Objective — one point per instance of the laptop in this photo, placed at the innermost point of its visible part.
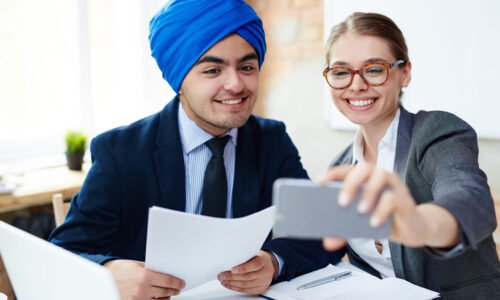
(40, 270)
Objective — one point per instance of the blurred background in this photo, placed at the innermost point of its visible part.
(86, 65)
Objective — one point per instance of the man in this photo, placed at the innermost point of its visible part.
(210, 52)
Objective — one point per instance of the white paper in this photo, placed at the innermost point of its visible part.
(390, 289)
(212, 290)
(324, 291)
(197, 248)
(360, 285)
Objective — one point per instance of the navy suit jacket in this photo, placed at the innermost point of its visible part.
(141, 165)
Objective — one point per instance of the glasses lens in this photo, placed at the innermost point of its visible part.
(339, 77)
(375, 74)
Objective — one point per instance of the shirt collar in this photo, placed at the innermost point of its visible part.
(389, 140)
(192, 136)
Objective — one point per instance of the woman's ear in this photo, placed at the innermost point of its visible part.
(406, 74)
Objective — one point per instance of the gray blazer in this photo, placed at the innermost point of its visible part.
(437, 158)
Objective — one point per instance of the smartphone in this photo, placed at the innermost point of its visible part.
(306, 210)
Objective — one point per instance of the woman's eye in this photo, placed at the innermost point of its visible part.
(341, 73)
(374, 71)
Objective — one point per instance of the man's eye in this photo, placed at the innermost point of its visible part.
(247, 68)
(211, 71)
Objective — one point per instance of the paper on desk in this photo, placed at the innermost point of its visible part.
(197, 248)
(288, 289)
(359, 286)
(390, 289)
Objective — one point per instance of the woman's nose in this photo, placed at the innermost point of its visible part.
(358, 83)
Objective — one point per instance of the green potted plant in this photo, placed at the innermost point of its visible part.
(76, 143)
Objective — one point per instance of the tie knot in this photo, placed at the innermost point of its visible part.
(217, 145)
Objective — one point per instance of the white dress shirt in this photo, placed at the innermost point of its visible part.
(365, 248)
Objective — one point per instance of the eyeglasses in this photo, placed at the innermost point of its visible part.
(373, 74)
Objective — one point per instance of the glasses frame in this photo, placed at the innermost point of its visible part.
(387, 66)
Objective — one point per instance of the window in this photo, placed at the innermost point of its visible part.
(73, 65)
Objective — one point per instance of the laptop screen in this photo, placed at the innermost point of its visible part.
(40, 270)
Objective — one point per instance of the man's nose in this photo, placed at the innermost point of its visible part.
(234, 82)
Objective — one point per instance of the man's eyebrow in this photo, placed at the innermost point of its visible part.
(218, 60)
(248, 57)
(211, 59)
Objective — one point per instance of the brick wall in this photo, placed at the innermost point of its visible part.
(294, 34)
(292, 86)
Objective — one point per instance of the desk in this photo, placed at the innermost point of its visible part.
(38, 187)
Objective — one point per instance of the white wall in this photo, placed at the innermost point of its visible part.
(453, 46)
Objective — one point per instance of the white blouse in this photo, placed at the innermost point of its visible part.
(365, 248)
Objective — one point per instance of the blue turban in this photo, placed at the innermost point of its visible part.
(183, 30)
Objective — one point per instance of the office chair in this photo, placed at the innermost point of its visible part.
(60, 208)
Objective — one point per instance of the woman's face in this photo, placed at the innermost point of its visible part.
(363, 104)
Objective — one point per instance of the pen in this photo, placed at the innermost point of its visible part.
(324, 280)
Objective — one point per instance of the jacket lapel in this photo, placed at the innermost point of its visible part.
(246, 177)
(403, 143)
(169, 159)
(402, 149)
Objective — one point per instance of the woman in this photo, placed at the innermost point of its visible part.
(420, 169)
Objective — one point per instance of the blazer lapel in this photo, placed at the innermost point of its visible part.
(169, 160)
(402, 149)
(246, 176)
(403, 143)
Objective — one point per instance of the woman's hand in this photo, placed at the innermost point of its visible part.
(385, 195)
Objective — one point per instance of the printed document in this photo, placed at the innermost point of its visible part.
(197, 248)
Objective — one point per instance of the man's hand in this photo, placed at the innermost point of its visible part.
(252, 277)
(135, 282)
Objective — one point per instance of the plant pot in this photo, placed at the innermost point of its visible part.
(75, 161)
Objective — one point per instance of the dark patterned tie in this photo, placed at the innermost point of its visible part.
(215, 182)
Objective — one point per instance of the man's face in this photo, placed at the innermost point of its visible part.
(220, 90)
